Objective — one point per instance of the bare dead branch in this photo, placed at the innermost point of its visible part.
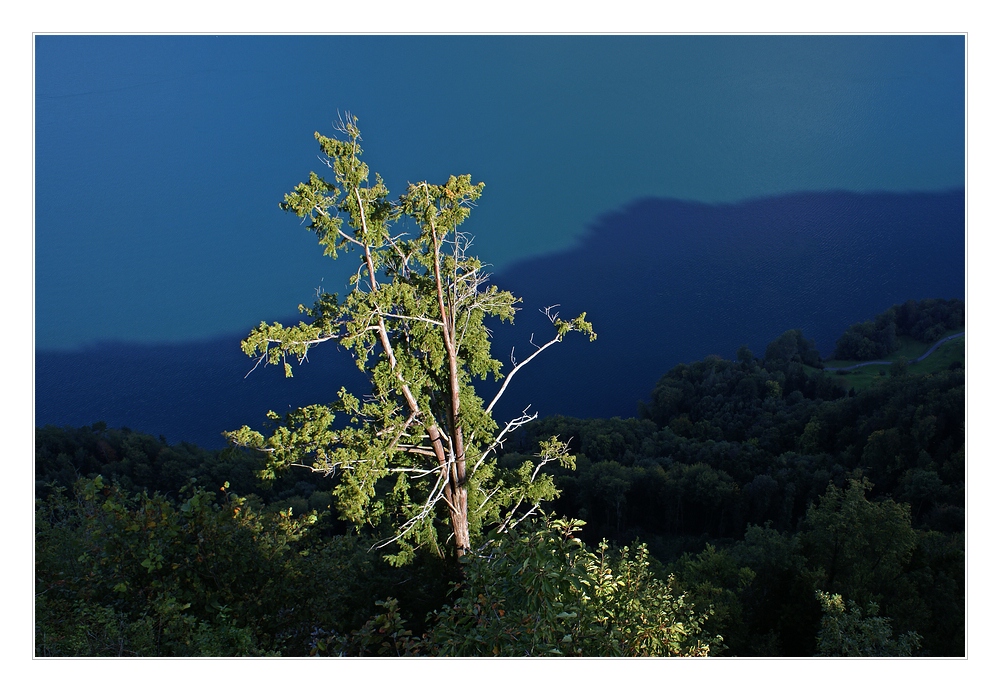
(525, 516)
(416, 318)
(510, 427)
(259, 360)
(416, 472)
(414, 449)
(510, 376)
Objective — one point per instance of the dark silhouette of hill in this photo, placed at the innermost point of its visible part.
(663, 281)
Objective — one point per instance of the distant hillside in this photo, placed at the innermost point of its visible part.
(663, 281)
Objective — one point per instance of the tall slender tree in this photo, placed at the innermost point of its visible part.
(416, 457)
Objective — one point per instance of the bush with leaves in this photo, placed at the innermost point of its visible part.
(538, 591)
(847, 630)
(142, 575)
(861, 548)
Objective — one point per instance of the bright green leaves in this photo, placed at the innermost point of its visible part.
(554, 449)
(643, 615)
(311, 201)
(440, 209)
(366, 206)
(849, 630)
(414, 460)
(540, 591)
(273, 343)
(577, 324)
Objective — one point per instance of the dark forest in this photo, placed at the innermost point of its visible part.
(775, 504)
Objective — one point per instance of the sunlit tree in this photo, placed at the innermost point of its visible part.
(415, 455)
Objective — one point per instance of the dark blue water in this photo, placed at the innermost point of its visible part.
(663, 281)
(186, 392)
(667, 282)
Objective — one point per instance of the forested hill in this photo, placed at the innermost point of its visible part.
(663, 282)
(757, 482)
(761, 479)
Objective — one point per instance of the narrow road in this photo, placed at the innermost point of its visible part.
(889, 362)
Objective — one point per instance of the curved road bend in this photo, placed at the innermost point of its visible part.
(915, 360)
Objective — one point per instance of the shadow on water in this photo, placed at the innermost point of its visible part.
(663, 281)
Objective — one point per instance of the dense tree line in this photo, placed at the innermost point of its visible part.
(752, 508)
(760, 481)
(759, 445)
(137, 461)
(926, 321)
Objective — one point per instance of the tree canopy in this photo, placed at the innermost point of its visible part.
(415, 456)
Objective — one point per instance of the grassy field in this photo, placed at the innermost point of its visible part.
(862, 378)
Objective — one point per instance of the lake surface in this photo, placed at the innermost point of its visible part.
(663, 281)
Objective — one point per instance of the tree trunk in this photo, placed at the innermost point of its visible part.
(459, 513)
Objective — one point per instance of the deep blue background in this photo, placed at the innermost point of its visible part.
(663, 281)
(688, 280)
(160, 160)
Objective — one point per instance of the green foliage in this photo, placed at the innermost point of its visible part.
(142, 575)
(869, 340)
(847, 630)
(538, 591)
(750, 479)
(121, 574)
(761, 591)
(861, 547)
(713, 578)
(724, 446)
(791, 347)
(937, 571)
(414, 458)
(385, 634)
(926, 321)
(137, 462)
